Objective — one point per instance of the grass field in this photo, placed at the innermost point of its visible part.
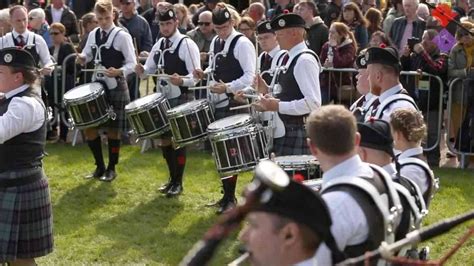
(128, 222)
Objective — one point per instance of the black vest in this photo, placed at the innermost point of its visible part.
(290, 91)
(31, 50)
(110, 57)
(228, 67)
(264, 66)
(404, 226)
(172, 62)
(374, 217)
(26, 150)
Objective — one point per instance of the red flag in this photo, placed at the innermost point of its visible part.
(443, 14)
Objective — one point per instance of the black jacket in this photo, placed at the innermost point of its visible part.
(68, 19)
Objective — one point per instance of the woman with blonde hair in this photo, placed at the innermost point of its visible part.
(338, 52)
(184, 21)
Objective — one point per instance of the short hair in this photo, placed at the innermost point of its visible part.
(259, 7)
(16, 7)
(5, 14)
(29, 75)
(249, 21)
(311, 5)
(103, 6)
(410, 123)
(332, 129)
(87, 18)
(416, 2)
(37, 13)
(58, 26)
(310, 239)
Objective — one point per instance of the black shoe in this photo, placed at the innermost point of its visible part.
(99, 172)
(174, 190)
(109, 176)
(165, 187)
(226, 205)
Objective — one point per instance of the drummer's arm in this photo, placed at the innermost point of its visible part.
(126, 47)
(245, 54)
(24, 114)
(191, 57)
(150, 65)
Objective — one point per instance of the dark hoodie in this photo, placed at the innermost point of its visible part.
(317, 35)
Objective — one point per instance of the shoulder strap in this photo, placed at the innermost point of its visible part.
(433, 182)
(392, 99)
(113, 34)
(92, 35)
(305, 51)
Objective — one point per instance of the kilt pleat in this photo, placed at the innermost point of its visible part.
(293, 143)
(118, 98)
(25, 221)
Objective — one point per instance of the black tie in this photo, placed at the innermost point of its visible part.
(375, 105)
(267, 60)
(361, 102)
(21, 41)
(167, 43)
(285, 59)
(222, 44)
(103, 37)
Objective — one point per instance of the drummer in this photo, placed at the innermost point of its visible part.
(180, 65)
(118, 60)
(299, 92)
(232, 73)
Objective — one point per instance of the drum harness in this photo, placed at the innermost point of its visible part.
(377, 198)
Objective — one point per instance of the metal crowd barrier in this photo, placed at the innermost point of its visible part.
(462, 105)
(347, 94)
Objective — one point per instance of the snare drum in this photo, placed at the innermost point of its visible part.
(87, 105)
(189, 121)
(305, 165)
(147, 115)
(237, 143)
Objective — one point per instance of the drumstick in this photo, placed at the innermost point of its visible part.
(136, 50)
(251, 96)
(166, 76)
(93, 70)
(198, 88)
(240, 107)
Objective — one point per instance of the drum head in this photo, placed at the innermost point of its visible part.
(144, 101)
(188, 107)
(83, 91)
(230, 122)
(295, 160)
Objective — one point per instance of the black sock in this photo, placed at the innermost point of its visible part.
(180, 164)
(168, 154)
(96, 147)
(229, 185)
(114, 151)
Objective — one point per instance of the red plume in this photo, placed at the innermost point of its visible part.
(383, 45)
(443, 14)
(286, 11)
(298, 178)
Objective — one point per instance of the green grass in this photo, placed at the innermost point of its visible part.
(129, 222)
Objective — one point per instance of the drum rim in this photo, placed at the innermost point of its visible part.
(154, 133)
(160, 99)
(232, 126)
(94, 95)
(234, 133)
(97, 122)
(203, 105)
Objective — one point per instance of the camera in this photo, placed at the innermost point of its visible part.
(412, 41)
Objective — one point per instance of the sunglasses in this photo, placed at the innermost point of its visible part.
(55, 33)
(204, 23)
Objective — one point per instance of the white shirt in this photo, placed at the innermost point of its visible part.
(349, 223)
(413, 172)
(40, 45)
(244, 52)
(24, 114)
(306, 73)
(395, 105)
(123, 43)
(56, 14)
(188, 52)
(390, 169)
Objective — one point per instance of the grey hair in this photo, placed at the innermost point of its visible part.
(37, 13)
(5, 14)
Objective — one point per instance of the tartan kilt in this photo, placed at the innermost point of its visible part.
(182, 99)
(25, 221)
(118, 98)
(293, 143)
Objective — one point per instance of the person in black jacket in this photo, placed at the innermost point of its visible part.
(66, 17)
(317, 32)
(427, 57)
(60, 49)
